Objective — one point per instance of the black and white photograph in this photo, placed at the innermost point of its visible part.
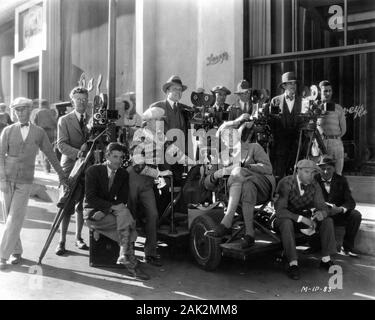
(187, 155)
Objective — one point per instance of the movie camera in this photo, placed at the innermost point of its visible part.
(200, 115)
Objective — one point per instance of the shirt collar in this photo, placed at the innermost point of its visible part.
(109, 170)
(78, 115)
(171, 102)
(299, 183)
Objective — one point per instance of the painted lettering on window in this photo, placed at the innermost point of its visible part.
(212, 59)
(358, 111)
(335, 22)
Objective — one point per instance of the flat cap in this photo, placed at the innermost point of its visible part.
(21, 102)
(307, 164)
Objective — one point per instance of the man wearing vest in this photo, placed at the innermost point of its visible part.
(285, 126)
(297, 195)
(19, 145)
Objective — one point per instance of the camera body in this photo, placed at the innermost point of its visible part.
(100, 114)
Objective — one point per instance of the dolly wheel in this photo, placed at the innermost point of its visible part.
(206, 251)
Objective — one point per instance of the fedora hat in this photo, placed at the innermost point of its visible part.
(21, 102)
(173, 80)
(287, 77)
(326, 161)
(221, 88)
(242, 87)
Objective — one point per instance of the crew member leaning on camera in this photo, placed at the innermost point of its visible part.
(243, 103)
(285, 125)
(333, 126)
(72, 133)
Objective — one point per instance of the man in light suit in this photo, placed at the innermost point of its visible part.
(243, 104)
(72, 133)
(19, 145)
(285, 125)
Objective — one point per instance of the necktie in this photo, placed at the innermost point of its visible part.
(82, 122)
(291, 98)
(111, 179)
(24, 124)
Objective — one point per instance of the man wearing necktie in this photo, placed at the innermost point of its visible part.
(285, 126)
(337, 193)
(19, 145)
(297, 195)
(106, 211)
(72, 133)
(243, 103)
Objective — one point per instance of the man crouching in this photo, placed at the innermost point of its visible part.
(105, 210)
(297, 196)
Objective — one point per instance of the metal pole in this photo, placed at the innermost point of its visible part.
(111, 84)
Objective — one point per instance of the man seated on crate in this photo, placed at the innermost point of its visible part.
(250, 181)
(105, 206)
(300, 205)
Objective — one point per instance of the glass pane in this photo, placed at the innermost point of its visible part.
(361, 21)
(320, 24)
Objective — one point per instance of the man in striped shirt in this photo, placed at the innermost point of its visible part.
(333, 126)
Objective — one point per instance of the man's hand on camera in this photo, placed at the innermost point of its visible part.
(98, 215)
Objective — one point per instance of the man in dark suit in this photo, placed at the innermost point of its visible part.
(72, 133)
(285, 125)
(337, 193)
(106, 197)
(297, 196)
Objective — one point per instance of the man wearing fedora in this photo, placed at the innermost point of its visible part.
(19, 144)
(243, 105)
(221, 93)
(285, 125)
(333, 125)
(337, 193)
(298, 194)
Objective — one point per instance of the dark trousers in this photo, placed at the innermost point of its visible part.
(351, 220)
(287, 229)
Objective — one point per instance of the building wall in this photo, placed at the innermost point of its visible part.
(6, 54)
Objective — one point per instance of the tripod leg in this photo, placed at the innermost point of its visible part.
(319, 139)
(298, 150)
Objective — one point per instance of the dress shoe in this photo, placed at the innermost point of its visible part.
(60, 250)
(218, 232)
(293, 272)
(3, 264)
(154, 260)
(247, 241)
(80, 244)
(326, 265)
(349, 252)
(15, 259)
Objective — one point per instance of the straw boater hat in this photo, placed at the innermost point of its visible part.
(287, 77)
(173, 80)
(243, 87)
(21, 102)
(221, 88)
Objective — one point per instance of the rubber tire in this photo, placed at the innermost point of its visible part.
(211, 260)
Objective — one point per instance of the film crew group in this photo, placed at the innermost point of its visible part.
(105, 206)
(72, 133)
(19, 145)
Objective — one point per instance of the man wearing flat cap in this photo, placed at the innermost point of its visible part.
(19, 144)
(337, 193)
(285, 125)
(298, 194)
(45, 118)
(221, 93)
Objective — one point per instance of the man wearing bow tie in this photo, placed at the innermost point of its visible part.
(106, 211)
(19, 144)
(337, 193)
(285, 125)
(297, 195)
(72, 133)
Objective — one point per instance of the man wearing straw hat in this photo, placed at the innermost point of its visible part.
(243, 104)
(19, 144)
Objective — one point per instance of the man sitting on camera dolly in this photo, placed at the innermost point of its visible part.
(250, 181)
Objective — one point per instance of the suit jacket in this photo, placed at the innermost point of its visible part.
(17, 157)
(288, 186)
(70, 138)
(340, 193)
(286, 121)
(97, 195)
(173, 118)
